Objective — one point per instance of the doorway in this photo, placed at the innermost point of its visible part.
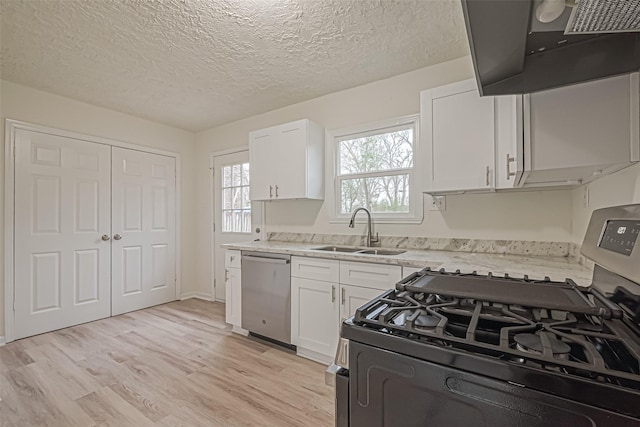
(235, 217)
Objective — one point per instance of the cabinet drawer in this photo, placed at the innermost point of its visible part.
(232, 259)
(378, 276)
(325, 270)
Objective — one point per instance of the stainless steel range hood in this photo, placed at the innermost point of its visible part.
(514, 52)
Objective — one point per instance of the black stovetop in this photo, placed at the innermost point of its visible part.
(591, 341)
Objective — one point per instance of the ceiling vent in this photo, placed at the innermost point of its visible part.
(604, 16)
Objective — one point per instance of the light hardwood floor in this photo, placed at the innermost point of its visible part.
(176, 364)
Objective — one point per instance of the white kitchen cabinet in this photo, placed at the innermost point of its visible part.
(369, 275)
(458, 133)
(354, 297)
(324, 292)
(315, 316)
(556, 138)
(232, 281)
(287, 162)
(577, 133)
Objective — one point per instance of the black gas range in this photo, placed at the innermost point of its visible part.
(455, 349)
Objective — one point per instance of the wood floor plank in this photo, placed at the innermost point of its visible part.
(176, 364)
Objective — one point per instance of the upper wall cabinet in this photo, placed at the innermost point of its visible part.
(287, 162)
(577, 133)
(556, 138)
(460, 132)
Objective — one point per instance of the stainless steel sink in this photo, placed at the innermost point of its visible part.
(388, 252)
(337, 249)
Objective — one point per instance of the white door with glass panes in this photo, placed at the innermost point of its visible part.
(236, 217)
(144, 232)
(62, 230)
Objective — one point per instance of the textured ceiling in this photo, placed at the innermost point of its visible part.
(196, 64)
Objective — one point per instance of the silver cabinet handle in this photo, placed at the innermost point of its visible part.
(342, 296)
(271, 191)
(232, 257)
(117, 237)
(276, 191)
(226, 275)
(509, 160)
(105, 237)
(333, 293)
(487, 176)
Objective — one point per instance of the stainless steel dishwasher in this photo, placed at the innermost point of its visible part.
(266, 295)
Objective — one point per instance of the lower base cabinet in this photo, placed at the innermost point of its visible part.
(318, 307)
(315, 312)
(233, 290)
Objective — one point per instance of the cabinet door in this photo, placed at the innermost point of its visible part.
(263, 153)
(233, 277)
(459, 136)
(510, 158)
(314, 315)
(589, 125)
(354, 297)
(291, 164)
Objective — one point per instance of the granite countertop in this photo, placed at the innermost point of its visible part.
(537, 267)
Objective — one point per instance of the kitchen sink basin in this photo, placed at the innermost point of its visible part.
(337, 249)
(388, 252)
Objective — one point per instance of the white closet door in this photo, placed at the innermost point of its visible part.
(62, 205)
(143, 230)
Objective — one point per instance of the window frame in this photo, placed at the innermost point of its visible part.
(333, 179)
(231, 187)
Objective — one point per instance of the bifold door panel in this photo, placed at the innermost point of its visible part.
(63, 208)
(143, 219)
(94, 231)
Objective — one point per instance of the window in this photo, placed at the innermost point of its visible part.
(375, 168)
(236, 205)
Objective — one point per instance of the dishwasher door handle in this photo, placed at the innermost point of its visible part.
(265, 260)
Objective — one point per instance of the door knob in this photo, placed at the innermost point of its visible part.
(117, 237)
(105, 237)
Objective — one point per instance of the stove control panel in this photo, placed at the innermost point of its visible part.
(611, 240)
(620, 236)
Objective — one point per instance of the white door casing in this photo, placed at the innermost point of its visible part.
(62, 201)
(143, 230)
(220, 235)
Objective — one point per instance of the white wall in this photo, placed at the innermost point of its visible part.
(523, 216)
(30, 105)
(620, 188)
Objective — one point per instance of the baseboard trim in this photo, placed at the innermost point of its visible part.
(239, 330)
(200, 295)
(315, 356)
(2, 341)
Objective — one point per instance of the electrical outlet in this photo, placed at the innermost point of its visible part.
(438, 203)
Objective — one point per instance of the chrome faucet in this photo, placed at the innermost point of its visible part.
(370, 238)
